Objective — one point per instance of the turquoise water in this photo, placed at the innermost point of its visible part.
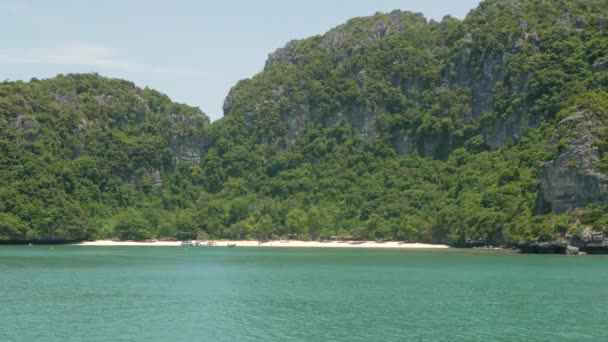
(265, 294)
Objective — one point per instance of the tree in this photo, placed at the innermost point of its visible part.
(131, 225)
(261, 227)
(11, 227)
(314, 222)
(213, 172)
(186, 225)
(296, 221)
(215, 217)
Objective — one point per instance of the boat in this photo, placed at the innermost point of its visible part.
(189, 243)
(231, 245)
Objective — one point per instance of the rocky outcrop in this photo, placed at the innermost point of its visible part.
(63, 99)
(154, 177)
(571, 250)
(503, 130)
(295, 122)
(589, 242)
(600, 64)
(571, 180)
(188, 149)
(187, 140)
(362, 117)
(344, 41)
(404, 143)
(24, 123)
(285, 55)
(552, 247)
(506, 128)
(479, 74)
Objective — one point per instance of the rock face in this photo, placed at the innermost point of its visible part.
(543, 247)
(188, 149)
(344, 41)
(155, 177)
(571, 179)
(467, 71)
(590, 242)
(571, 250)
(504, 129)
(26, 125)
(341, 43)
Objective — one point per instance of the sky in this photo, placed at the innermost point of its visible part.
(191, 50)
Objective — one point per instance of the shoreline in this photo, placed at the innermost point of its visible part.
(276, 243)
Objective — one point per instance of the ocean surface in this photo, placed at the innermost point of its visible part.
(72, 293)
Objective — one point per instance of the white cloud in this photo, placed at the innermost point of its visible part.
(87, 55)
(80, 54)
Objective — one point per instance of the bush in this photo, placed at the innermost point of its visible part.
(132, 225)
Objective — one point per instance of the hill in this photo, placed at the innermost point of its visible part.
(489, 130)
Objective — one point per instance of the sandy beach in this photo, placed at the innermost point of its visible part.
(282, 243)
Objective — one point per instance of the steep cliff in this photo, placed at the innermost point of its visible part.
(500, 71)
(572, 178)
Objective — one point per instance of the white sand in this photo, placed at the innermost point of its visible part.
(282, 243)
(129, 243)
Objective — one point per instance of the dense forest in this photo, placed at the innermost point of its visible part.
(490, 130)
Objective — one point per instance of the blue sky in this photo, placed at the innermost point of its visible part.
(193, 51)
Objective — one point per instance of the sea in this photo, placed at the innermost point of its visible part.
(81, 293)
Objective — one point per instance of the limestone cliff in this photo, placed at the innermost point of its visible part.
(571, 179)
(400, 63)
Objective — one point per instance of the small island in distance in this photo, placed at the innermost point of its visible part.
(487, 131)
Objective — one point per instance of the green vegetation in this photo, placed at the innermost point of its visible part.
(425, 131)
(77, 150)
